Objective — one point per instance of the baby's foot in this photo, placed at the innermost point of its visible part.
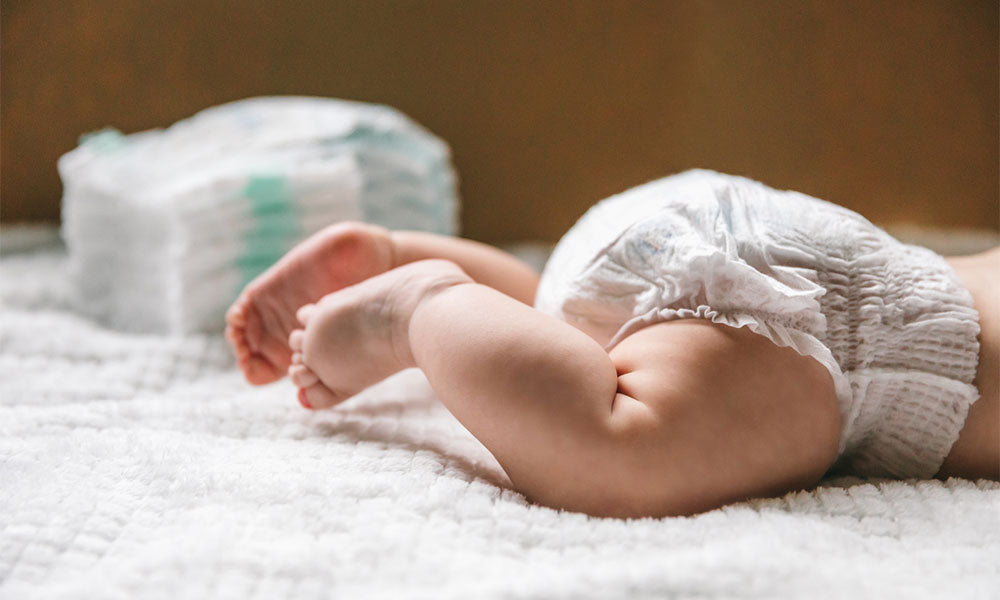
(258, 323)
(358, 336)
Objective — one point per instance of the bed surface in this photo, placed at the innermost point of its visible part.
(143, 467)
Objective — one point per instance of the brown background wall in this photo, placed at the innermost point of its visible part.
(890, 108)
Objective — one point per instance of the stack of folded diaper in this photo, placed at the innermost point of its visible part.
(165, 227)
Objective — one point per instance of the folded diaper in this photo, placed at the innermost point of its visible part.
(165, 227)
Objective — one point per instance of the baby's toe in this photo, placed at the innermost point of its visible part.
(236, 315)
(318, 396)
(254, 331)
(305, 313)
(237, 339)
(258, 370)
(295, 340)
(302, 376)
(244, 326)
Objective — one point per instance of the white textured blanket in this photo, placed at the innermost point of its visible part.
(142, 467)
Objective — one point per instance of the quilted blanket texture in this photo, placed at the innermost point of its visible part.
(139, 466)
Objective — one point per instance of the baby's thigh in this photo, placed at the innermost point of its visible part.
(735, 415)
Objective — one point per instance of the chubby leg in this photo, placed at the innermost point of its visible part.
(260, 320)
(679, 418)
(976, 453)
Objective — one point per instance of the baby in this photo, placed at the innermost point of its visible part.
(695, 341)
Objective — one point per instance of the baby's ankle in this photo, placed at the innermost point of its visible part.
(430, 278)
(385, 244)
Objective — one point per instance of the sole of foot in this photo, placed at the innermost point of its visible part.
(260, 320)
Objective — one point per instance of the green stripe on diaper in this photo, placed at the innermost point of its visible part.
(104, 141)
(276, 224)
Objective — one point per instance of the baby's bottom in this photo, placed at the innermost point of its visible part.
(680, 417)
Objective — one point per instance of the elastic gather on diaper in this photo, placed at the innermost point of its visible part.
(903, 329)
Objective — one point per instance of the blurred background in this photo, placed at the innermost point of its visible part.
(888, 108)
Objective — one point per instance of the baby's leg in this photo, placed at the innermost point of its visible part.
(680, 417)
(976, 453)
(259, 322)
